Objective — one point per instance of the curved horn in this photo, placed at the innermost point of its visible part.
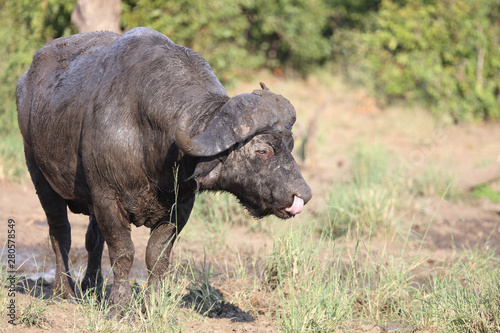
(208, 143)
(182, 138)
(240, 118)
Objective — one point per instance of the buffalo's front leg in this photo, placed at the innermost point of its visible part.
(161, 242)
(115, 228)
(158, 252)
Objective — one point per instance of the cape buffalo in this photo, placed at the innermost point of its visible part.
(127, 129)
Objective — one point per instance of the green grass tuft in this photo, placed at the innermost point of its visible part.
(366, 203)
(203, 297)
(309, 292)
(485, 191)
(434, 182)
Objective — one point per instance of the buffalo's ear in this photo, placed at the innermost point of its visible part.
(207, 172)
(242, 117)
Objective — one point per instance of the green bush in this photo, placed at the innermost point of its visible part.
(443, 53)
(290, 33)
(239, 35)
(214, 29)
(26, 26)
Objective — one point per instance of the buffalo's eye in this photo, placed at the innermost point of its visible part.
(264, 153)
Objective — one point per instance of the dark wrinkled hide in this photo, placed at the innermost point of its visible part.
(110, 122)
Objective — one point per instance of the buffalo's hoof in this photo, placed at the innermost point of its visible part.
(92, 285)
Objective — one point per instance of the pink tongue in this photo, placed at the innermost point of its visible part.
(298, 204)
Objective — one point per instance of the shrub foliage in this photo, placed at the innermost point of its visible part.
(26, 26)
(240, 34)
(444, 53)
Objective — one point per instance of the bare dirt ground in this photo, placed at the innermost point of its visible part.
(343, 118)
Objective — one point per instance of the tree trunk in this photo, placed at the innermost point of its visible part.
(97, 15)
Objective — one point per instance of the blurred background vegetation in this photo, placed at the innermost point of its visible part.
(442, 54)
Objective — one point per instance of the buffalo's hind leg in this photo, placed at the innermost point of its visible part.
(55, 208)
(94, 243)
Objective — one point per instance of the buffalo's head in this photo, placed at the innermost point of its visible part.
(246, 150)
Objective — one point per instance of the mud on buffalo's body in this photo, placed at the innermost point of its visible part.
(111, 122)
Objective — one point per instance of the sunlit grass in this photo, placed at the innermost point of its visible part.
(485, 191)
(434, 182)
(367, 202)
(387, 288)
(312, 284)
